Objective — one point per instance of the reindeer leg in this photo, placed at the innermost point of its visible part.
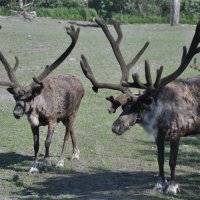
(173, 187)
(69, 131)
(76, 151)
(161, 184)
(62, 156)
(35, 165)
(47, 160)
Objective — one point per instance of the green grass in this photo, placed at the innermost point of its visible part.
(110, 167)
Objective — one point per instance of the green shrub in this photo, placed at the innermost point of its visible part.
(188, 19)
(66, 13)
(131, 19)
(4, 11)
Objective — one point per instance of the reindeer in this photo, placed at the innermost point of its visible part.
(47, 101)
(167, 108)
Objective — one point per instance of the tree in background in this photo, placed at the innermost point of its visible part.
(174, 12)
(127, 11)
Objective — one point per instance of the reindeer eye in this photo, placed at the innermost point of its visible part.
(127, 105)
(123, 107)
(21, 93)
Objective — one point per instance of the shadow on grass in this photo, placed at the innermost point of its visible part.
(102, 184)
(7, 160)
(188, 155)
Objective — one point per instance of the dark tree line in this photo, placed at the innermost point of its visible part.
(103, 7)
(106, 8)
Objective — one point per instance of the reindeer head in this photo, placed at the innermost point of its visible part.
(134, 106)
(133, 112)
(23, 95)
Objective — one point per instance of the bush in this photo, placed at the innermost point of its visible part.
(131, 19)
(134, 11)
(4, 11)
(66, 13)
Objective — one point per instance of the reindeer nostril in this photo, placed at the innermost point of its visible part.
(16, 115)
(116, 129)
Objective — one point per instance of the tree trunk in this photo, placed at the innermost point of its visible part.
(86, 10)
(174, 12)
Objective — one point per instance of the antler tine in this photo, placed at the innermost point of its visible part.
(125, 68)
(115, 45)
(184, 53)
(158, 77)
(74, 37)
(136, 58)
(10, 72)
(195, 65)
(186, 58)
(88, 72)
(96, 85)
(136, 82)
(149, 84)
(117, 26)
(148, 74)
(16, 64)
(9, 84)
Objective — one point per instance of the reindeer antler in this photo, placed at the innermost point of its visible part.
(194, 66)
(10, 71)
(148, 85)
(186, 58)
(125, 68)
(37, 81)
(159, 83)
(49, 68)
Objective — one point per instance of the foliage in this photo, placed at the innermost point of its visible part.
(4, 3)
(4, 11)
(130, 11)
(131, 19)
(67, 13)
(59, 3)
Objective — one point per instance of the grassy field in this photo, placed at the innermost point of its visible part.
(110, 167)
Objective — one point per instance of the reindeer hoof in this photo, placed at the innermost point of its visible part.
(75, 155)
(60, 163)
(160, 186)
(173, 188)
(34, 168)
(46, 163)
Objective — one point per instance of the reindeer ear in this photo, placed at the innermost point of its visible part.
(36, 91)
(10, 90)
(31, 94)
